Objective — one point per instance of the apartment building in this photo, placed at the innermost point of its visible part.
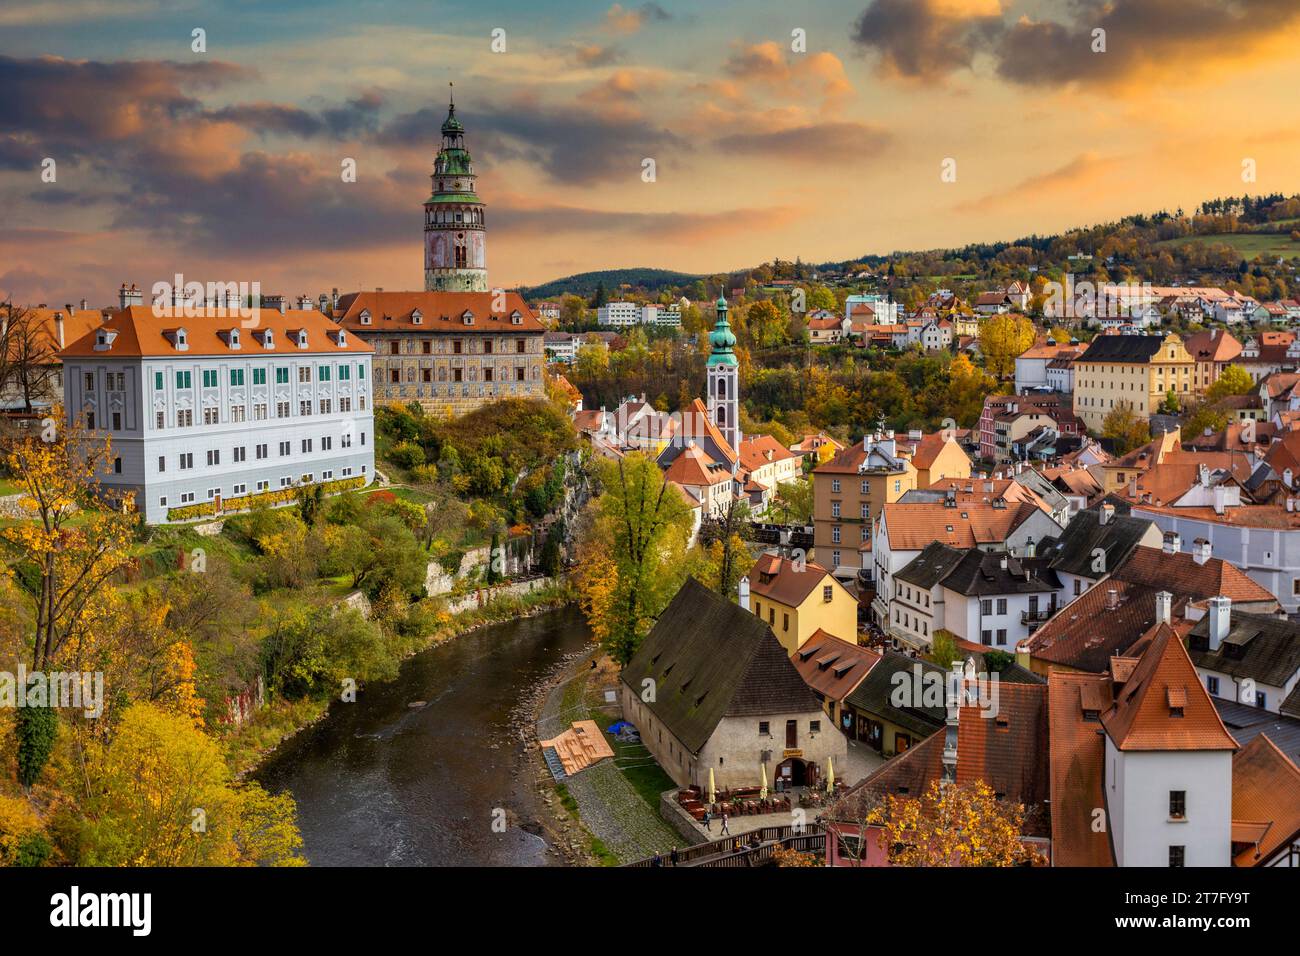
(1140, 370)
(848, 493)
(204, 413)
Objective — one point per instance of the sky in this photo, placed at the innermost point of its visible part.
(777, 128)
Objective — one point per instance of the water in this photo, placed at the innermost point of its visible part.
(380, 782)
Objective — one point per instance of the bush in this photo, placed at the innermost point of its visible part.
(406, 455)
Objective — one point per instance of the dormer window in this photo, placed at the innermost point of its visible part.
(341, 339)
(180, 340)
(516, 318)
(104, 339)
(268, 339)
(467, 317)
(302, 338)
(417, 317)
(232, 338)
(365, 316)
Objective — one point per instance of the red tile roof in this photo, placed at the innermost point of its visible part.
(1163, 705)
(441, 312)
(1078, 767)
(1265, 801)
(833, 667)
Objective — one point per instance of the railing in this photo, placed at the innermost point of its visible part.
(1042, 614)
(724, 852)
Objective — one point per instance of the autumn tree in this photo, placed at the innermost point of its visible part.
(766, 325)
(1233, 380)
(630, 552)
(1125, 428)
(721, 557)
(1002, 338)
(28, 364)
(159, 793)
(953, 825)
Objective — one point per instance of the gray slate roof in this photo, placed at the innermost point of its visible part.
(1263, 648)
(1072, 550)
(711, 659)
(930, 566)
(874, 695)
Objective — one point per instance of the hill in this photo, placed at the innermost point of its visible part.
(585, 283)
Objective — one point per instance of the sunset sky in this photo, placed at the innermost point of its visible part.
(225, 165)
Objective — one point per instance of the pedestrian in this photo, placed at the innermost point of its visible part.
(708, 819)
(725, 830)
(658, 860)
(672, 857)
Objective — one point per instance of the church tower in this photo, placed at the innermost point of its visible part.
(723, 381)
(455, 240)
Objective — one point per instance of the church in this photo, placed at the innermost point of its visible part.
(459, 344)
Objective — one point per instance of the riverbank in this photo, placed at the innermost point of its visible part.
(610, 810)
(280, 721)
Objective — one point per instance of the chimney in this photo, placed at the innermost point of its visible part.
(1201, 550)
(1003, 563)
(70, 308)
(83, 306)
(1112, 599)
(334, 300)
(1031, 549)
(1220, 620)
(1106, 514)
(324, 303)
(744, 593)
(1220, 496)
(1173, 542)
(1287, 477)
(58, 328)
(1164, 607)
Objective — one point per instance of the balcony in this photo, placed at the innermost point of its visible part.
(1038, 616)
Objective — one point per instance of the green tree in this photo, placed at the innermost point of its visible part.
(1233, 380)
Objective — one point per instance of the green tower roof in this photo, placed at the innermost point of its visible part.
(722, 341)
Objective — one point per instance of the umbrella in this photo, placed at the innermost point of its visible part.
(762, 794)
(713, 796)
(830, 775)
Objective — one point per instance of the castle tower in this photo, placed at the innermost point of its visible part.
(723, 379)
(455, 238)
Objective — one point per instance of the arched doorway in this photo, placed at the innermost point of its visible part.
(795, 772)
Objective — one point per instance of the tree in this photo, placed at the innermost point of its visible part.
(73, 561)
(158, 793)
(953, 825)
(794, 501)
(766, 326)
(1233, 380)
(724, 559)
(1125, 428)
(1002, 339)
(29, 364)
(630, 552)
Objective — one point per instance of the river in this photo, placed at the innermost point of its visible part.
(415, 772)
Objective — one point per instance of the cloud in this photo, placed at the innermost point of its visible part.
(538, 221)
(812, 143)
(927, 39)
(357, 116)
(572, 145)
(590, 55)
(766, 65)
(1143, 38)
(1071, 179)
(626, 20)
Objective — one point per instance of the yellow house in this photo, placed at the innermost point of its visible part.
(798, 598)
(848, 493)
(1137, 370)
(936, 457)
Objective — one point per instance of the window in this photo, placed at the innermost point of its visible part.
(323, 373)
(325, 406)
(259, 452)
(764, 728)
(259, 412)
(162, 462)
(214, 457)
(158, 381)
(284, 449)
(835, 534)
(986, 606)
(835, 485)
(89, 380)
(117, 466)
(183, 380)
(345, 372)
(306, 446)
(211, 416)
(835, 509)
(1177, 804)
(828, 592)
(785, 622)
(1002, 636)
(184, 418)
(236, 376)
(187, 497)
(117, 421)
(241, 454)
(814, 726)
(282, 376)
(187, 460)
(304, 373)
(239, 489)
(1002, 605)
(304, 407)
(1212, 685)
(519, 374)
(209, 378)
(237, 413)
(160, 419)
(281, 409)
(162, 502)
(835, 559)
(393, 348)
(259, 376)
(1177, 856)
(986, 638)
(326, 443)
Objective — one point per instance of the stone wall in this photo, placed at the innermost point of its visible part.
(485, 596)
(438, 581)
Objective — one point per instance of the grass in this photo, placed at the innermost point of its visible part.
(1247, 244)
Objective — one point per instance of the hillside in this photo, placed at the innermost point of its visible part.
(585, 283)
